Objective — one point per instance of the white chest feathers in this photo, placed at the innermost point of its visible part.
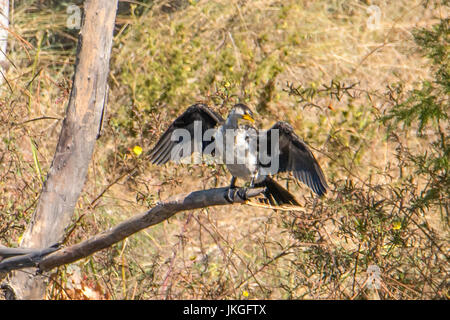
(237, 149)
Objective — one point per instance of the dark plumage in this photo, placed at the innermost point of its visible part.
(197, 112)
(294, 155)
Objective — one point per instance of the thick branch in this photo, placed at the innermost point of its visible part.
(23, 258)
(8, 253)
(159, 213)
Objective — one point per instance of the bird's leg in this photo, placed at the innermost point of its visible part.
(252, 182)
(233, 182)
(229, 196)
(255, 176)
(243, 194)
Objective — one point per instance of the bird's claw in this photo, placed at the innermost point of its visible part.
(230, 194)
(242, 193)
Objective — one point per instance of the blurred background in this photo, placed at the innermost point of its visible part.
(364, 83)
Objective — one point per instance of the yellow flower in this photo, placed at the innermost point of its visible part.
(245, 293)
(137, 150)
(396, 225)
(20, 239)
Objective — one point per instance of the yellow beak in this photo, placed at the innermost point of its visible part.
(248, 118)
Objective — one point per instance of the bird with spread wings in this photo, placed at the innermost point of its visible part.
(241, 147)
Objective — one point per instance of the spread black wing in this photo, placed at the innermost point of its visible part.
(164, 148)
(295, 157)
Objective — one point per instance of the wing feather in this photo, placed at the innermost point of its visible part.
(162, 151)
(296, 157)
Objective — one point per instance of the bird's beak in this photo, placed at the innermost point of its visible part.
(248, 118)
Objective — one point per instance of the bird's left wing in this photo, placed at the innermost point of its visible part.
(295, 157)
(196, 116)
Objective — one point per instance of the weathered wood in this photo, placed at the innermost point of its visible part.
(80, 127)
(6, 253)
(45, 260)
(31, 258)
(4, 25)
(159, 213)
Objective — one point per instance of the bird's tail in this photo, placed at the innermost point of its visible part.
(276, 194)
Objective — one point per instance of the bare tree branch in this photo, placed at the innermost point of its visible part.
(49, 258)
(28, 257)
(7, 253)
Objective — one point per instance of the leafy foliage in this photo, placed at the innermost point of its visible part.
(429, 107)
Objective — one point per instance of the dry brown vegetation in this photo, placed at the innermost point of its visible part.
(316, 64)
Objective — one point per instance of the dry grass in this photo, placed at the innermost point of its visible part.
(221, 52)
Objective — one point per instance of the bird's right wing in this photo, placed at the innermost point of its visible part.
(196, 117)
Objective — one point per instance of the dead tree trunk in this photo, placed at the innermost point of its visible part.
(4, 24)
(80, 127)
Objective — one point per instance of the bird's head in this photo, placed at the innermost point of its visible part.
(241, 112)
